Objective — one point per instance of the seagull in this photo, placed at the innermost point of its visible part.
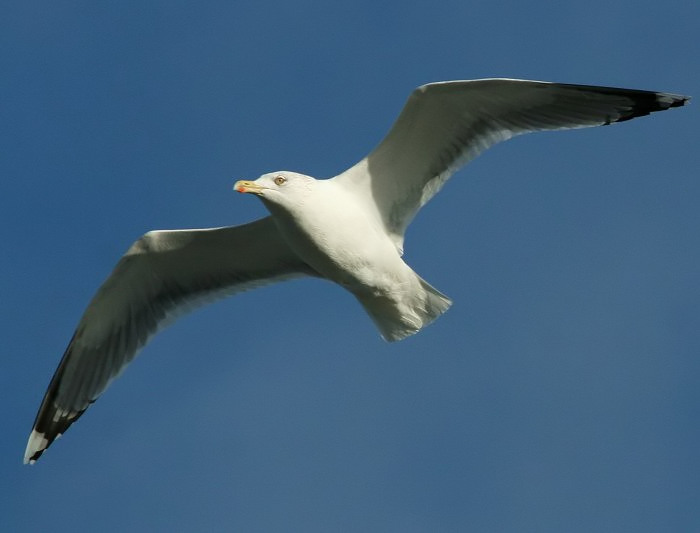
(348, 229)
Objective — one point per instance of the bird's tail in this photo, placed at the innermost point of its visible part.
(398, 316)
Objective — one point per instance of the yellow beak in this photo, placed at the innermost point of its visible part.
(248, 186)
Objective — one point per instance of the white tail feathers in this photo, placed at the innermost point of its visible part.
(399, 315)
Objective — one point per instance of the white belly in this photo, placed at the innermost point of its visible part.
(348, 250)
(346, 242)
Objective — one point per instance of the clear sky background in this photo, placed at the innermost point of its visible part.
(560, 392)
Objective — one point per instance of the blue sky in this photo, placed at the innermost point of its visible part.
(558, 394)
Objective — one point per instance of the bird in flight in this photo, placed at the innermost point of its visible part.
(348, 229)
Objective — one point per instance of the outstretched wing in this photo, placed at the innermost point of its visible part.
(162, 275)
(444, 125)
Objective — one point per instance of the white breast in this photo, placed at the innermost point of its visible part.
(342, 238)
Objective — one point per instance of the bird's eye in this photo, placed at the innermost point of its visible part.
(280, 180)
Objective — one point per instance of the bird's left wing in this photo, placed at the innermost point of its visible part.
(444, 125)
(162, 275)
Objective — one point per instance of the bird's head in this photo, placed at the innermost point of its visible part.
(284, 189)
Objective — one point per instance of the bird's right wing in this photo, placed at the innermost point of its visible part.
(162, 275)
(444, 125)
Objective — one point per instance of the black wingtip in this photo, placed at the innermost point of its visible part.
(633, 103)
(679, 101)
(51, 420)
(45, 432)
(646, 103)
